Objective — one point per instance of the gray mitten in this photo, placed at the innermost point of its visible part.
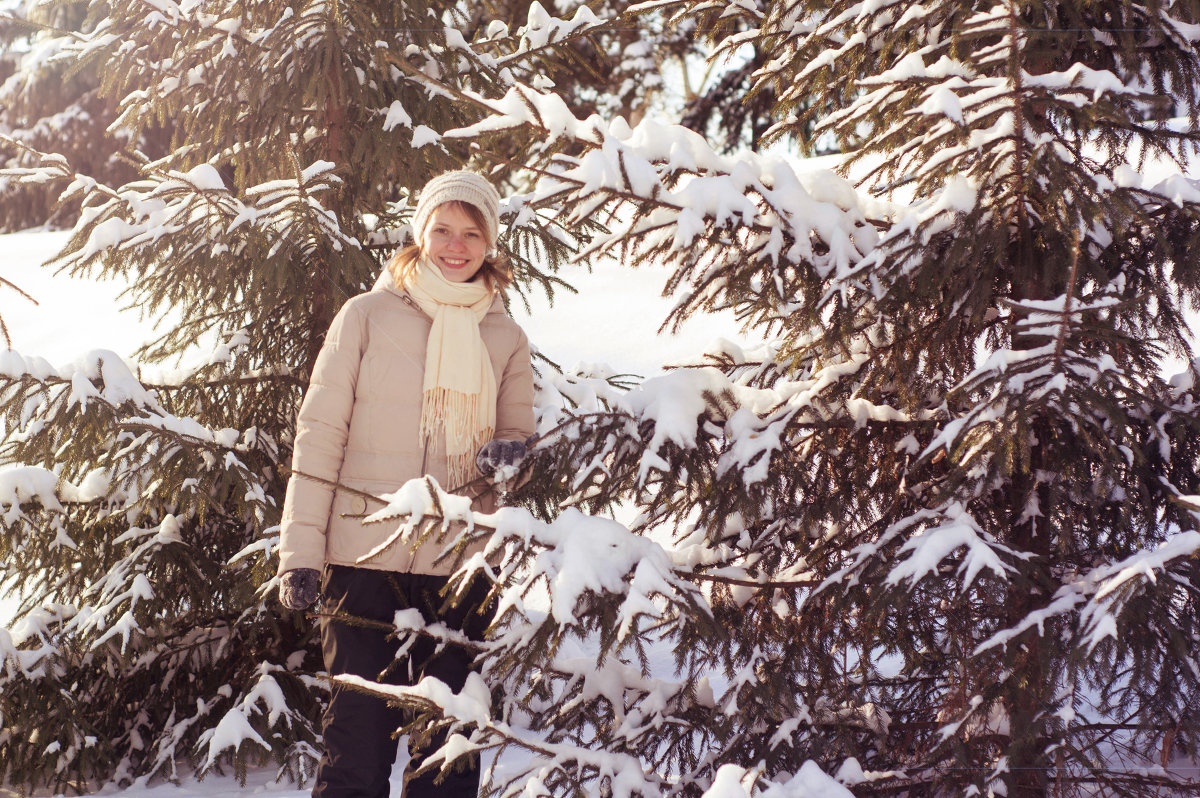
(298, 588)
(496, 455)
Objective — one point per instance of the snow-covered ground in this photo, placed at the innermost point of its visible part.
(613, 320)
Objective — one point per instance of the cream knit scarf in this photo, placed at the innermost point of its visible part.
(459, 393)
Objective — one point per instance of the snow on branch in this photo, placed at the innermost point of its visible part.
(213, 41)
(579, 565)
(636, 698)
(1098, 598)
(117, 592)
(550, 762)
(571, 556)
(22, 484)
(734, 781)
(666, 415)
(16, 655)
(103, 376)
(137, 434)
(98, 375)
(52, 167)
(667, 195)
(954, 529)
(289, 208)
(1111, 585)
(931, 539)
(266, 698)
(168, 205)
(953, 106)
(541, 30)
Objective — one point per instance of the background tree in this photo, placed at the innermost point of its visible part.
(140, 503)
(938, 536)
(723, 107)
(53, 103)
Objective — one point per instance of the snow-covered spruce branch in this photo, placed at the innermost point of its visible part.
(633, 177)
(190, 664)
(211, 40)
(76, 384)
(166, 202)
(691, 407)
(407, 626)
(583, 420)
(933, 535)
(133, 430)
(548, 766)
(109, 369)
(41, 25)
(186, 433)
(169, 15)
(267, 699)
(1100, 596)
(679, 190)
(558, 764)
(102, 377)
(542, 33)
(723, 11)
(52, 167)
(429, 511)
(941, 115)
(575, 560)
(682, 573)
(560, 559)
(511, 635)
(555, 767)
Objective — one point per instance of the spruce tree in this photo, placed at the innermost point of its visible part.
(936, 533)
(52, 102)
(139, 500)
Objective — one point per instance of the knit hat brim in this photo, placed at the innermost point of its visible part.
(459, 186)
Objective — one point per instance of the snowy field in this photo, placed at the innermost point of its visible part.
(613, 320)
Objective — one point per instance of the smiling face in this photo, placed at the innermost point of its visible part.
(454, 242)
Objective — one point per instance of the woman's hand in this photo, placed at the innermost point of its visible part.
(500, 458)
(298, 588)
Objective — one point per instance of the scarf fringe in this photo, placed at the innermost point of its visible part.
(460, 418)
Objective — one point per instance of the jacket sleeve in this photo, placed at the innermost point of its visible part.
(321, 432)
(514, 395)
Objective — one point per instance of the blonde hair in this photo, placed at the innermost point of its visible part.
(496, 269)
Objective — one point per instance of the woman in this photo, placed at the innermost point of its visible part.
(423, 374)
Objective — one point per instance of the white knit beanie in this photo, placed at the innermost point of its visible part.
(461, 186)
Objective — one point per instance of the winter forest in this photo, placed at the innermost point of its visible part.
(930, 528)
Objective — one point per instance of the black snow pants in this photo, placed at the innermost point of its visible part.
(359, 730)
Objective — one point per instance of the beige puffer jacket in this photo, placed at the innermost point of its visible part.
(358, 426)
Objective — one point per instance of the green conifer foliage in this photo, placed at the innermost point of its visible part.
(1031, 301)
(52, 103)
(139, 505)
(939, 534)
